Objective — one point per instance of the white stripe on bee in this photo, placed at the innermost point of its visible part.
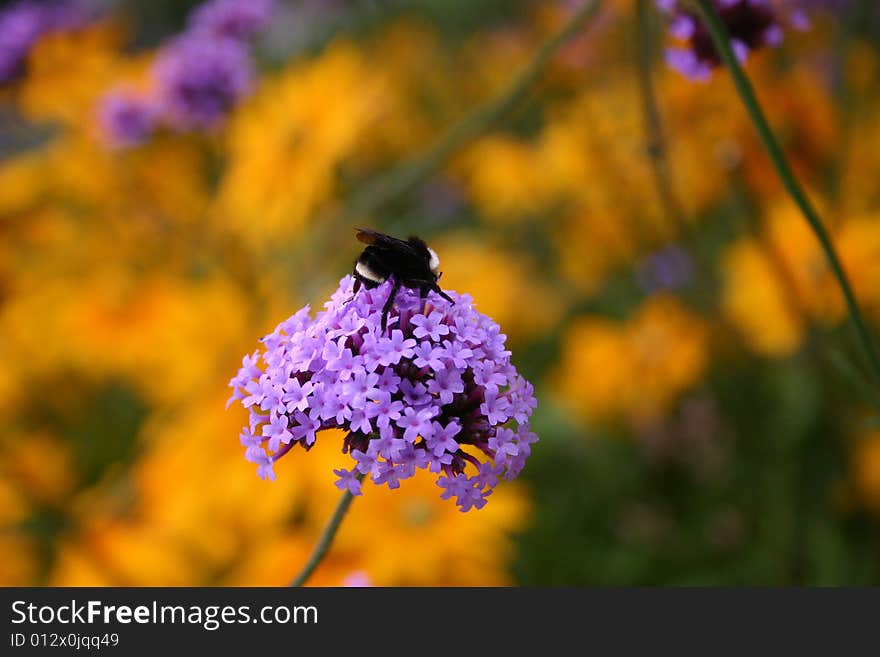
(434, 262)
(365, 272)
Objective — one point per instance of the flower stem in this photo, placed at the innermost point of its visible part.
(656, 141)
(721, 40)
(326, 539)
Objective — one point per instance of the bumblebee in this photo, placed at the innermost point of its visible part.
(408, 263)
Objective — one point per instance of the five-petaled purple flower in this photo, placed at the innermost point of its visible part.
(436, 390)
(751, 24)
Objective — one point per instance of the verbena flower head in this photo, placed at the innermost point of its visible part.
(231, 18)
(127, 117)
(435, 390)
(200, 79)
(751, 24)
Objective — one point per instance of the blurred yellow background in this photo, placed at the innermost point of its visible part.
(694, 428)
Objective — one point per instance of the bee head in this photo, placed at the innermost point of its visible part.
(434, 263)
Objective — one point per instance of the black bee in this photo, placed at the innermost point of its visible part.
(410, 263)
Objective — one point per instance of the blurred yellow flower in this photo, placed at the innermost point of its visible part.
(67, 72)
(858, 193)
(595, 367)
(670, 350)
(286, 143)
(19, 565)
(637, 369)
(41, 466)
(866, 470)
(162, 182)
(492, 59)
(858, 240)
(143, 269)
(216, 524)
(36, 478)
(415, 94)
(757, 303)
(591, 243)
(185, 528)
(165, 335)
(108, 553)
(774, 285)
(21, 182)
(410, 536)
(800, 106)
(13, 505)
(505, 285)
(504, 178)
(276, 558)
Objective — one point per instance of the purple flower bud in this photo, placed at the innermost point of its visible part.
(439, 393)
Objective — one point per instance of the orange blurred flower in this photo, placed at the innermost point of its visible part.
(636, 369)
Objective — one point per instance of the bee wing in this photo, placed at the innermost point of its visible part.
(385, 242)
(368, 236)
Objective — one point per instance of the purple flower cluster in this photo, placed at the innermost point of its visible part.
(198, 77)
(751, 24)
(23, 22)
(231, 18)
(435, 390)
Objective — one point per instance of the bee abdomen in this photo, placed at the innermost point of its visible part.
(370, 269)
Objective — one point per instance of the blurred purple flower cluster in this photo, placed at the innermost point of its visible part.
(435, 390)
(197, 78)
(23, 22)
(751, 24)
(232, 19)
(669, 268)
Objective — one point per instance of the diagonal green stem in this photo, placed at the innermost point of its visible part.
(326, 538)
(410, 174)
(721, 40)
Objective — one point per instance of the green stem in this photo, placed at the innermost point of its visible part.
(326, 539)
(410, 174)
(656, 146)
(856, 379)
(721, 40)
